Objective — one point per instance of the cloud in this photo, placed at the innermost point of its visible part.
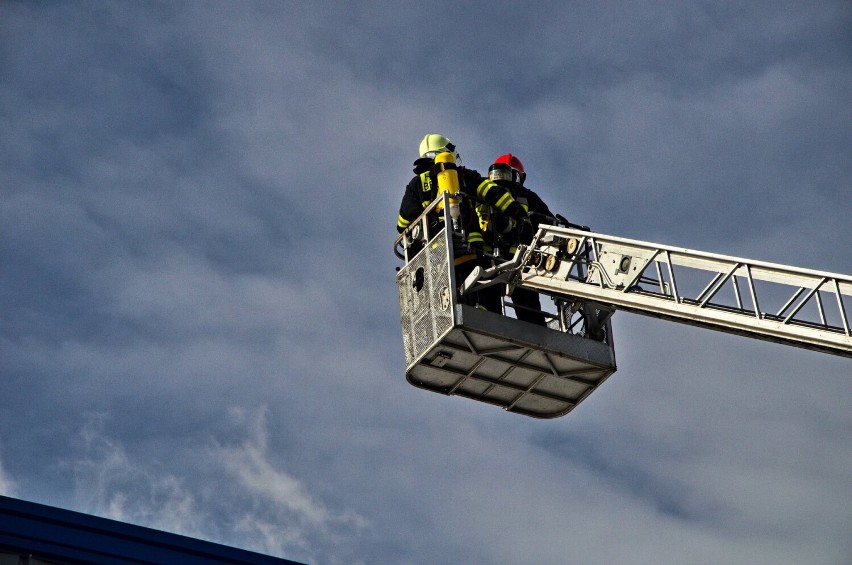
(284, 514)
(253, 471)
(8, 487)
(255, 505)
(110, 483)
(198, 281)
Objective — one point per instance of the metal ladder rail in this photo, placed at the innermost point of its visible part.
(618, 271)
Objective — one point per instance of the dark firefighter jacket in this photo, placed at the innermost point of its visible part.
(423, 189)
(494, 225)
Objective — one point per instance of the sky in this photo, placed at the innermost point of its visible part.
(199, 327)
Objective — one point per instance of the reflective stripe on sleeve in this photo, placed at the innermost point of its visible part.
(504, 202)
(484, 188)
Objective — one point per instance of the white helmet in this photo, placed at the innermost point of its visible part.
(434, 143)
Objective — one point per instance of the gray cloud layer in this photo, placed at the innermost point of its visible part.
(198, 319)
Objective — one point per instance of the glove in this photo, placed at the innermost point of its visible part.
(525, 231)
(503, 224)
(517, 212)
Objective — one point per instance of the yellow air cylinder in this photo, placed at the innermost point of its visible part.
(448, 181)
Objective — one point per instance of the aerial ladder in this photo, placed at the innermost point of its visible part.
(545, 372)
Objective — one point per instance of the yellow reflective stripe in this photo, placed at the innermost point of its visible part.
(402, 222)
(474, 237)
(425, 182)
(504, 202)
(464, 259)
(483, 188)
(482, 210)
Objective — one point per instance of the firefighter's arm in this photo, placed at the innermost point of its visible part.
(409, 209)
(495, 195)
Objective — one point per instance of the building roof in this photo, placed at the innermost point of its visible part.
(67, 537)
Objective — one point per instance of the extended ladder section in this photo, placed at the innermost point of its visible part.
(455, 349)
(779, 303)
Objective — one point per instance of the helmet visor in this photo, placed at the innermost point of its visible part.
(500, 171)
(450, 148)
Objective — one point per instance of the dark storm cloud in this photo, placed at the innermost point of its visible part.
(199, 328)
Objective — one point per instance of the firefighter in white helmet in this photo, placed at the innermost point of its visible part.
(423, 189)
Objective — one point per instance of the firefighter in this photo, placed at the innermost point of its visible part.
(505, 233)
(423, 189)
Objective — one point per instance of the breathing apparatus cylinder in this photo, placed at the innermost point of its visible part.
(448, 181)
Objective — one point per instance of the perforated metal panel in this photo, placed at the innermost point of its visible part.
(426, 298)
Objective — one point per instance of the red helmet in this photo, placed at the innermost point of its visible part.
(515, 164)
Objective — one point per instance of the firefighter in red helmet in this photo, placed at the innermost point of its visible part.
(506, 234)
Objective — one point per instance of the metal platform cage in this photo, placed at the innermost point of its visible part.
(427, 300)
(455, 349)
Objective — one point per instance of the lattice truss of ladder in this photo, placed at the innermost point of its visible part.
(781, 303)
